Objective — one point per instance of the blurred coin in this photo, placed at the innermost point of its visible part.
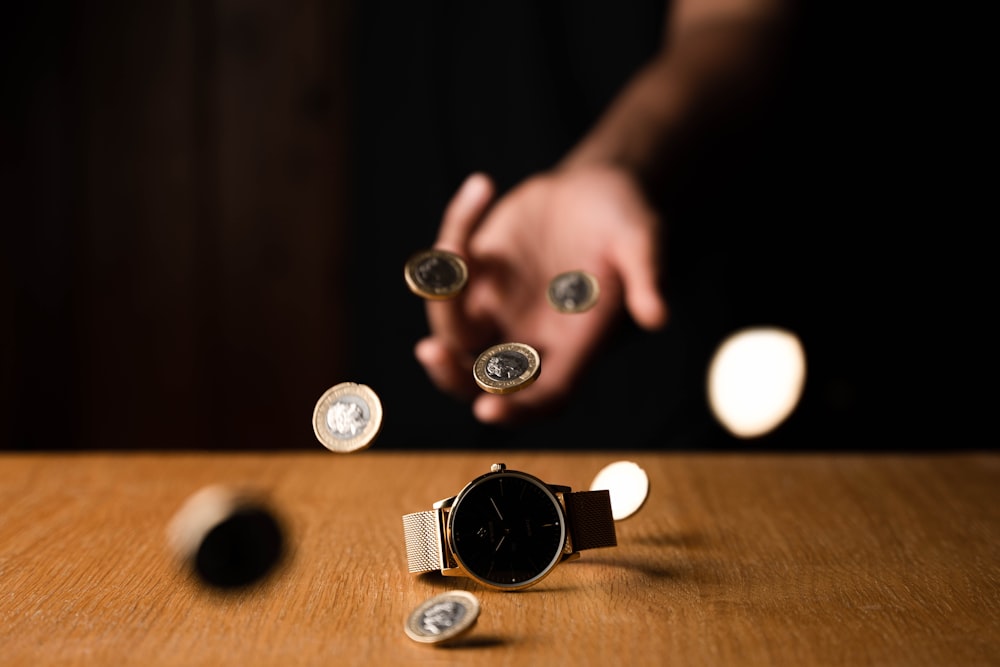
(506, 368)
(436, 274)
(347, 417)
(573, 292)
(626, 483)
(443, 617)
(228, 537)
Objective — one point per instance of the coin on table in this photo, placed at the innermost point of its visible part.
(436, 274)
(627, 484)
(443, 617)
(347, 417)
(573, 292)
(506, 368)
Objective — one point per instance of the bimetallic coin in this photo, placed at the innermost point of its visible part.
(436, 274)
(347, 417)
(573, 292)
(443, 617)
(626, 483)
(507, 367)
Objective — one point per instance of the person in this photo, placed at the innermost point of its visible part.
(572, 136)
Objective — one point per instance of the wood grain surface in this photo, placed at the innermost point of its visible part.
(734, 560)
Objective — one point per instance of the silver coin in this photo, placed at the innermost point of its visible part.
(573, 292)
(347, 417)
(506, 368)
(436, 274)
(443, 617)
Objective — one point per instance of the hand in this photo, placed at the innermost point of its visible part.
(593, 218)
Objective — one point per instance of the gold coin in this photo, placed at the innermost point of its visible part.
(507, 367)
(436, 274)
(573, 292)
(347, 417)
(443, 617)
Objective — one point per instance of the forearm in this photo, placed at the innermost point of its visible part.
(712, 64)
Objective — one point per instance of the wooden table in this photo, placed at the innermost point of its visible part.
(734, 560)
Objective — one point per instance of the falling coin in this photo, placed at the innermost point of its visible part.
(347, 417)
(227, 537)
(573, 292)
(506, 368)
(443, 617)
(627, 484)
(436, 274)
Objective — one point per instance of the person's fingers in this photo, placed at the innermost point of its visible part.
(461, 216)
(638, 260)
(645, 303)
(491, 409)
(446, 370)
(513, 408)
(464, 212)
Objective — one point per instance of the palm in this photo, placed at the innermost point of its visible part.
(594, 220)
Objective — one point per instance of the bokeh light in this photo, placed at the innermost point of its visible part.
(755, 380)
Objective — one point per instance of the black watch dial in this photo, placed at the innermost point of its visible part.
(507, 529)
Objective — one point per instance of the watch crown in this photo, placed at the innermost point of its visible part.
(498, 467)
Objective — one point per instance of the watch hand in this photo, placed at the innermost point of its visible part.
(493, 502)
(497, 548)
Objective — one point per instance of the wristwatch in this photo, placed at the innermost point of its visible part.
(507, 529)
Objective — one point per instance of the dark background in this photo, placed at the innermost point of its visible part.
(207, 207)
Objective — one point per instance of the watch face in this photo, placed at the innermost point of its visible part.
(507, 529)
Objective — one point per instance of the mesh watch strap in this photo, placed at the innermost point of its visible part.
(424, 541)
(591, 522)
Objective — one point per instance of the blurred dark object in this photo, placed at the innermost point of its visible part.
(241, 550)
(227, 538)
